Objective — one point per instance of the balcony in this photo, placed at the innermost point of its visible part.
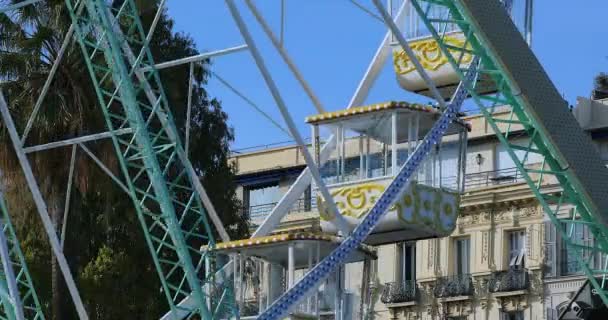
(508, 281)
(482, 179)
(399, 292)
(454, 286)
(492, 178)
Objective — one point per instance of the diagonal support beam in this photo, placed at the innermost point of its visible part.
(304, 179)
(340, 221)
(410, 53)
(42, 210)
(278, 45)
(152, 97)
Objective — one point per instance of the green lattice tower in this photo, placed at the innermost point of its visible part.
(151, 156)
(440, 15)
(29, 299)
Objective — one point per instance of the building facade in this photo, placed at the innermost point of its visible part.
(503, 261)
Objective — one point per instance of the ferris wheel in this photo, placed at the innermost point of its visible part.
(448, 50)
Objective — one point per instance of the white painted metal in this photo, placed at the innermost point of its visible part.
(47, 83)
(282, 36)
(410, 53)
(291, 270)
(104, 168)
(278, 44)
(339, 219)
(159, 11)
(42, 209)
(196, 58)
(189, 108)
(394, 167)
(68, 194)
(529, 13)
(250, 102)
(304, 179)
(78, 140)
(362, 172)
(366, 10)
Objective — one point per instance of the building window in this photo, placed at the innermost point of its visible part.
(505, 164)
(462, 247)
(514, 315)
(550, 249)
(581, 235)
(261, 199)
(517, 245)
(446, 168)
(406, 262)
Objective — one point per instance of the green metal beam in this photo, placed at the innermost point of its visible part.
(158, 175)
(541, 141)
(29, 299)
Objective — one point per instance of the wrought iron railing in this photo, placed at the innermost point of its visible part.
(453, 286)
(511, 280)
(492, 178)
(250, 308)
(260, 211)
(398, 292)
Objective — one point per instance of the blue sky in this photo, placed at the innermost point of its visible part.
(332, 42)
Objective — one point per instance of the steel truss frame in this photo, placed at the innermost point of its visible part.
(540, 142)
(79, 142)
(305, 178)
(18, 297)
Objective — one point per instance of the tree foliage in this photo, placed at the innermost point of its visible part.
(600, 86)
(104, 243)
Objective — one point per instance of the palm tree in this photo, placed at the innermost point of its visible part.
(108, 249)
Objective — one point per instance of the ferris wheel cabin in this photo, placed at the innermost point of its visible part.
(430, 56)
(373, 142)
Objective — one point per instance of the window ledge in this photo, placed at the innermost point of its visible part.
(451, 299)
(400, 304)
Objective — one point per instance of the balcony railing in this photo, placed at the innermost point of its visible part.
(398, 292)
(454, 286)
(492, 178)
(478, 179)
(262, 210)
(472, 181)
(511, 280)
